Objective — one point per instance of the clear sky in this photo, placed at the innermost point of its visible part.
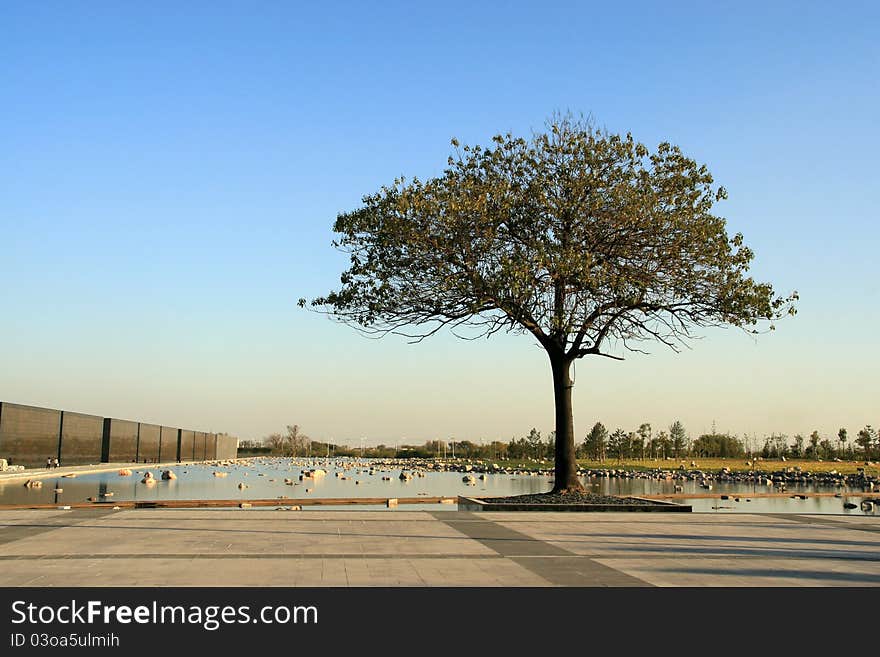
(170, 172)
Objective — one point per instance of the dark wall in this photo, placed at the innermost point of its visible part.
(201, 446)
(81, 438)
(169, 445)
(123, 440)
(29, 435)
(227, 447)
(148, 444)
(187, 441)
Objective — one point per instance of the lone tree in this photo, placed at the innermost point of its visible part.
(585, 240)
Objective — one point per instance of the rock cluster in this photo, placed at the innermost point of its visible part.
(788, 475)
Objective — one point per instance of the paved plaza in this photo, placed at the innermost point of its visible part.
(164, 547)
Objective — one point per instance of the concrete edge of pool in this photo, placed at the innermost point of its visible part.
(655, 506)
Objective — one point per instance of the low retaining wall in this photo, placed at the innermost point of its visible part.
(274, 502)
(655, 506)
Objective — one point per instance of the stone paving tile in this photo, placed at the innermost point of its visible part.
(36, 527)
(764, 537)
(382, 572)
(20, 575)
(267, 572)
(467, 572)
(673, 571)
(157, 572)
(26, 516)
(333, 572)
(871, 523)
(126, 532)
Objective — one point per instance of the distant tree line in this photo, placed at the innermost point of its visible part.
(292, 442)
(598, 445)
(866, 445)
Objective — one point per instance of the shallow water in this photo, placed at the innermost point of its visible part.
(264, 479)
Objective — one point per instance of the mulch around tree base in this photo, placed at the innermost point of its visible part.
(566, 498)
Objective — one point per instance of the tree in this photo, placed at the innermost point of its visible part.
(723, 445)
(583, 240)
(631, 445)
(780, 442)
(498, 450)
(644, 439)
(534, 439)
(749, 444)
(594, 443)
(865, 440)
(518, 449)
(664, 444)
(679, 438)
(814, 444)
(276, 442)
(841, 438)
(617, 444)
(294, 440)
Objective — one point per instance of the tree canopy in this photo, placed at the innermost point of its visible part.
(578, 237)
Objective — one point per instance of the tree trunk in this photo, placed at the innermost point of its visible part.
(566, 479)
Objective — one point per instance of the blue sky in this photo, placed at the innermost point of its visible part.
(169, 177)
